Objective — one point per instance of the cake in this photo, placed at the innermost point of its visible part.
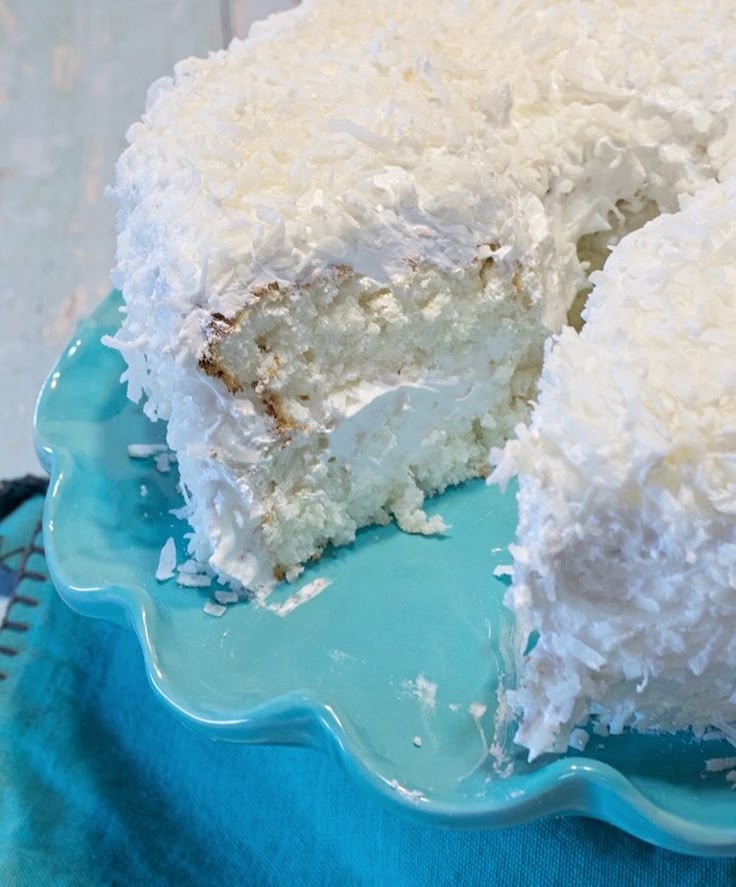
(625, 560)
(343, 242)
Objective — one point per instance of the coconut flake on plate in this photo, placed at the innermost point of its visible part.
(166, 561)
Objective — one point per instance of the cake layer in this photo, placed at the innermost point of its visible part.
(625, 560)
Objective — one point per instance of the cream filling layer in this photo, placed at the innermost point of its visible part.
(385, 425)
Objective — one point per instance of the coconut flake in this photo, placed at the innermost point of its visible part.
(716, 765)
(579, 739)
(304, 594)
(194, 580)
(503, 570)
(226, 597)
(145, 451)
(163, 462)
(166, 561)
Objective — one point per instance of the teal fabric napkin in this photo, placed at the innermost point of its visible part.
(100, 785)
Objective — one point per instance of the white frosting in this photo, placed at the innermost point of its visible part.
(369, 139)
(625, 561)
(465, 388)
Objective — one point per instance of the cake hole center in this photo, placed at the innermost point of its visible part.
(593, 249)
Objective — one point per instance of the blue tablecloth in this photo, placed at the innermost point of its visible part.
(100, 785)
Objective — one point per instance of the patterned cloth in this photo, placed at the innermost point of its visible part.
(100, 785)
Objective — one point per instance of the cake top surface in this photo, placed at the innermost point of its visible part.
(367, 139)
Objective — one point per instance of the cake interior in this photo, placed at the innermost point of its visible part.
(376, 395)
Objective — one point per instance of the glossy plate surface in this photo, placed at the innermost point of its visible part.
(395, 666)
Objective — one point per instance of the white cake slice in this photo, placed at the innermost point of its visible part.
(343, 241)
(625, 561)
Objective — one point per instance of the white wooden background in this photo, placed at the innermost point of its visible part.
(73, 77)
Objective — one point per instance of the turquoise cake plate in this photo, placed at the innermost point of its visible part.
(396, 667)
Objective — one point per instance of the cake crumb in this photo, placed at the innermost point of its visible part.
(424, 690)
(417, 741)
(213, 609)
(338, 655)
